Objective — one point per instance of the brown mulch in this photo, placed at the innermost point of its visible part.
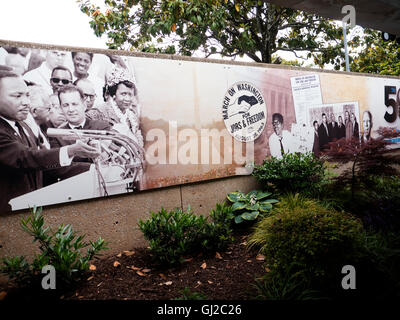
(131, 275)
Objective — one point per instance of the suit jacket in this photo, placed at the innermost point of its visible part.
(323, 137)
(21, 166)
(316, 149)
(356, 133)
(341, 131)
(89, 125)
(333, 130)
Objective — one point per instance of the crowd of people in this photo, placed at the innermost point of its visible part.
(330, 130)
(42, 89)
(317, 140)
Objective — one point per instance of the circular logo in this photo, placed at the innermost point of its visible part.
(244, 111)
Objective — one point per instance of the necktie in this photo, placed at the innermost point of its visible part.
(22, 134)
(282, 150)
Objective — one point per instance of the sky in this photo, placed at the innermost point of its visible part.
(57, 22)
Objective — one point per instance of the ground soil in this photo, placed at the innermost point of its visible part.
(131, 275)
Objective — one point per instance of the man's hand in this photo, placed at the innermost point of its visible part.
(82, 150)
(117, 60)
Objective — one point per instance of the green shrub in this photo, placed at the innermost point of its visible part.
(60, 248)
(381, 187)
(219, 228)
(174, 234)
(295, 172)
(248, 207)
(320, 241)
(285, 286)
(376, 201)
(378, 273)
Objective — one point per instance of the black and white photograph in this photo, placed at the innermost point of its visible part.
(69, 127)
(333, 122)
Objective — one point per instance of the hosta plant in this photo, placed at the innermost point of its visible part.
(250, 206)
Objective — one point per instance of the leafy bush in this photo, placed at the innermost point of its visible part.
(219, 228)
(61, 249)
(320, 241)
(387, 188)
(376, 201)
(285, 286)
(174, 234)
(295, 172)
(378, 274)
(250, 206)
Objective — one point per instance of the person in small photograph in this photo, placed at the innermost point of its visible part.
(356, 130)
(323, 133)
(83, 70)
(280, 142)
(86, 86)
(367, 126)
(41, 75)
(122, 109)
(82, 62)
(341, 128)
(60, 76)
(22, 161)
(56, 116)
(73, 105)
(333, 128)
(40, 107)
(315, 148)
(349, 125)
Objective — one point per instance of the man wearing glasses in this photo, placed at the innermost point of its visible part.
(87, 88)
(281, 141)
(22, 161)
(60, 77)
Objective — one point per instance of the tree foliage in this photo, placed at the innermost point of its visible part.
(252, 28)
(376, 56)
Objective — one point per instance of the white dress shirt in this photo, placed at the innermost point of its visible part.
(275, 146)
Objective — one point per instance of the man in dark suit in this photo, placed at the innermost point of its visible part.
(316, 150)
(333, 128)
(356, 131)
(22, 161)
(72, 103)
(341, 128)
(323, 133)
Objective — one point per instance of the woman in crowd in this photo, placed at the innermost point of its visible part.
(122, 111)
(82, 62)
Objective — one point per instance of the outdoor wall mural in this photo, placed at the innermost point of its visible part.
(77, 125)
